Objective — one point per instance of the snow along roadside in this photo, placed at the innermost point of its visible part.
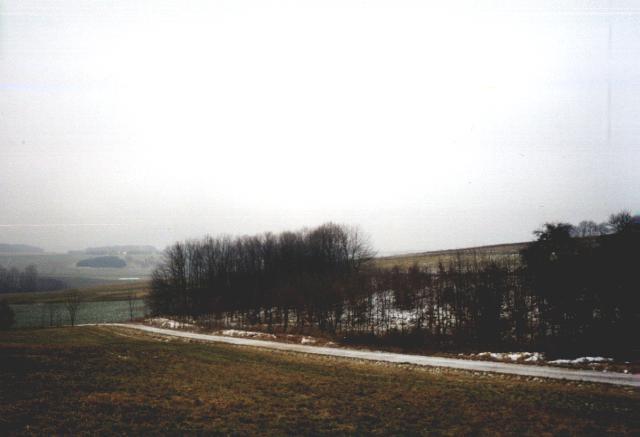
(420, 360)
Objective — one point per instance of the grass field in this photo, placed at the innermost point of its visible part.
(431, 259)
(109, 292)
(98, 380)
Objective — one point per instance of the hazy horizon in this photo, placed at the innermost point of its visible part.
(430, 127)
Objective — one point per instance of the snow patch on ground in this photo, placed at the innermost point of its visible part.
(536, 357)
(530, 357)
(168, 323)
(247, 334)
(265, 336)
(583, 360)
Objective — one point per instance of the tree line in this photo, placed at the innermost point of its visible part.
(566, 291)
(14, 280)
(262, 277)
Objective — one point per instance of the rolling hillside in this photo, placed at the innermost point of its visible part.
(432, 258)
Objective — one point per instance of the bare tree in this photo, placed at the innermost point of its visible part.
(51, 308)
(587, 228)
(621, 221)
(72, 303)
(29, 278)
(604, 228)
(7, 316)
(131, 300)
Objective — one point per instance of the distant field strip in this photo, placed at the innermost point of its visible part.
(433, 258)
(470, 365)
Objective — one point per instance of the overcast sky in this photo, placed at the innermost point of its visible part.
(145, 122)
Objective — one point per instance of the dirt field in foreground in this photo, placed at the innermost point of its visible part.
(99, 380)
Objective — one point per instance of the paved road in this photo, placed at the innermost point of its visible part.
(421, 360)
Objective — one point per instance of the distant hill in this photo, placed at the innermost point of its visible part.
(103, 262)
(431, 259)
(19, 248)
(118, 250)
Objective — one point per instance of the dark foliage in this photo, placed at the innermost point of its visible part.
(564, 293)
(588, 290)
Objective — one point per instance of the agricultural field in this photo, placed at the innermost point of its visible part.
(108, 303)
(430, 260)
(122, 290)
(63, 266)
(106, 380)
(41, 315)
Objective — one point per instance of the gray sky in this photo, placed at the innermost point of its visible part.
(431, 127)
